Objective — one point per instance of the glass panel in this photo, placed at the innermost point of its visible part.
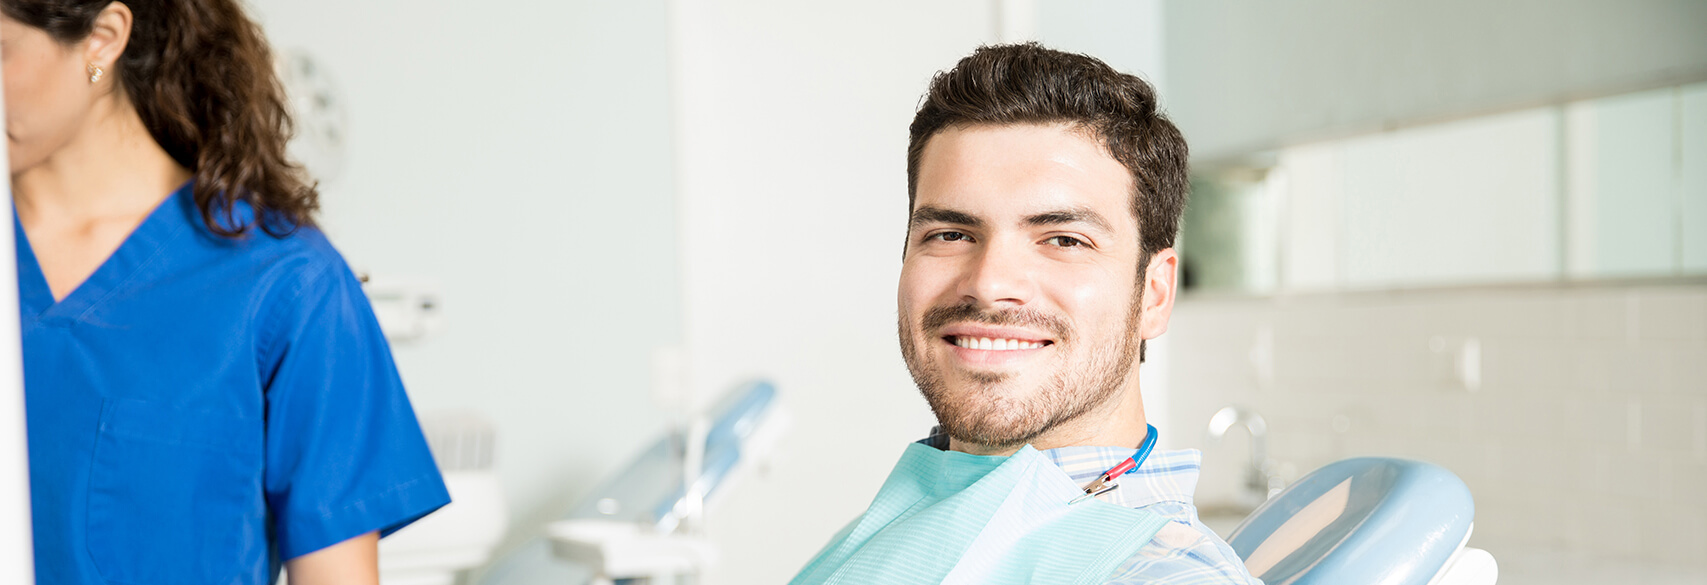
(1608, 188)
(1464, 202)
(1308, 179)
(1622, 188)
(1228, 242)
(1692, 176)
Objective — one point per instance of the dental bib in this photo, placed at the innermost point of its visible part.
(952, 517)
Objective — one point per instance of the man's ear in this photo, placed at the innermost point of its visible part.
(1161, 286)
(108, 38)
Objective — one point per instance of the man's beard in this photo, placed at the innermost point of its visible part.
(986, 415)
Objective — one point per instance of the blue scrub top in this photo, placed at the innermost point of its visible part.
(202, 408)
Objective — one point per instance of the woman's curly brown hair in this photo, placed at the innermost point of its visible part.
(200, 75)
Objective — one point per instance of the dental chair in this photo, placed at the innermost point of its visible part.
(1371, 520)
(630, 530)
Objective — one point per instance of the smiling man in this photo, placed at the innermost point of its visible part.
(1045, 193)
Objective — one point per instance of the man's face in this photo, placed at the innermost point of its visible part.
(1019, 298)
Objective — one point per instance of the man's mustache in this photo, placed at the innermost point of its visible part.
(940, 317)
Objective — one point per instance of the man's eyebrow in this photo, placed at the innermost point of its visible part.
(1072, 215)
(928, 214)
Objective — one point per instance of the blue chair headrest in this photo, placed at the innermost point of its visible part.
(1365, 520)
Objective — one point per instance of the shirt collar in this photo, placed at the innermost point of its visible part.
(1166, 476)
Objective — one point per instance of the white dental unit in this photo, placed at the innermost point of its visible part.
(638, 526)
(463, 534)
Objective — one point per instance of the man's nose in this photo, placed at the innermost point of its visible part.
(1001, 273)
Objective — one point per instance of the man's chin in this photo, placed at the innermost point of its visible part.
(994, 412)
(990, 431)
(985, 383)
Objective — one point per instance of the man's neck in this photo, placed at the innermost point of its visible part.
(1120, 422)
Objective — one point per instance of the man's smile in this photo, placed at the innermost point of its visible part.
(986, 343)
(989, 346)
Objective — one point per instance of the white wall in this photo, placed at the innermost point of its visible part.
(1585, 444)
(519, 154)
(1127, 34)
(1247, 76)
(792, 135)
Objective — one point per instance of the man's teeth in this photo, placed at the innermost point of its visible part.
(996, 344)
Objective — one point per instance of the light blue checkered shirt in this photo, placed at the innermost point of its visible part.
(1185, 552)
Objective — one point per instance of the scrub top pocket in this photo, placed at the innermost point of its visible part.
(169, 483)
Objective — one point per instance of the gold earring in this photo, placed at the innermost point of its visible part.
(95, 73)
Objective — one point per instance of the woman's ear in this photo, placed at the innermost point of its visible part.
(110, 35)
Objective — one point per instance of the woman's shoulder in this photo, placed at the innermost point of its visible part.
(306, 242)
(303, 251)
(255, 239)
(272, 270)
(298, 282)
(268, 262)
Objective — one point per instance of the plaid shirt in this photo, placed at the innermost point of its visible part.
(1185, 552)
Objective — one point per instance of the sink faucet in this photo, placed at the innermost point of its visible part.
(1261, 482)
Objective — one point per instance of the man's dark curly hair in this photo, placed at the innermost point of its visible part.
(1004, 85)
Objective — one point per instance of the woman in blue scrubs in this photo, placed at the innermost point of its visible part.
(208, 393)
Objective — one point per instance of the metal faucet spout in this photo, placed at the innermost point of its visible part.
(1260, 477)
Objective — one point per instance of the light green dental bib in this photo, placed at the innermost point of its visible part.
(951, 517)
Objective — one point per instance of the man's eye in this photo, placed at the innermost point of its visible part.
(1065, 241)
(950, 237)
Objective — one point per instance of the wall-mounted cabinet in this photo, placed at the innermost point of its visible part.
(1606, 188)
(1470, 201)
(1692, 176)
(1622, 186)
